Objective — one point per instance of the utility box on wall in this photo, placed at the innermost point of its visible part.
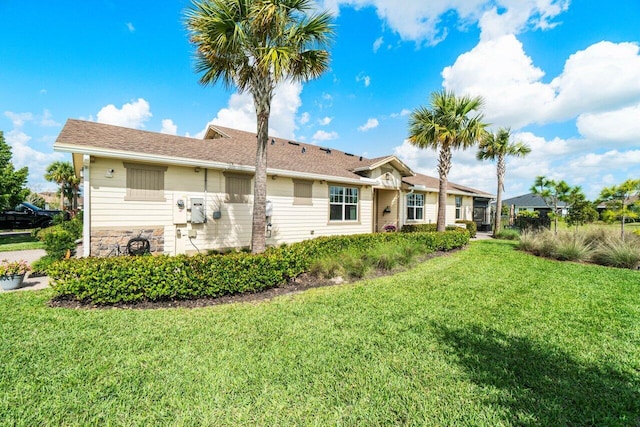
(197, 210)
(179, 209)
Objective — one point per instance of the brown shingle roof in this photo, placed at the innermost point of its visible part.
(235, 147)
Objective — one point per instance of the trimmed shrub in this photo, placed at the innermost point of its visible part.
(157, 278)
(40, 267)
(418, 228)
(472, 227)
(508, 234)
(59, 243)
(428, 228)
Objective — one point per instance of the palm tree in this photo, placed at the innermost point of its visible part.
(252, 45)
(447, 125)
(62, 173)
(496, 147)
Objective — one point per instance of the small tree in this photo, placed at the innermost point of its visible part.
(621, 201)
(553, 193)
(581, 211)
(12, 182)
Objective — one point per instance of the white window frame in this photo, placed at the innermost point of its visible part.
(348, 199)
(458, 200)
(415, 207)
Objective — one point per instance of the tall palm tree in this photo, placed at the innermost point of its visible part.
(252, 45)
(62, 173)
(448, 124)
(496, 147)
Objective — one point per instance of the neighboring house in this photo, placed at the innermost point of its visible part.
(603, 206)
(187, 195)
(533, 203)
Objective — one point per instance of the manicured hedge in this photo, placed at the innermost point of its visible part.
(427, 228)
(472, 227)
(161, 278)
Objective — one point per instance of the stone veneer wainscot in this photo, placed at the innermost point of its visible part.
(105, 242)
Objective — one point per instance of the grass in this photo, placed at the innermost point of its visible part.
(19, 242)
(486, 336)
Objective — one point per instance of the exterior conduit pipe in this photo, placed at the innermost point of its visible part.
(86, 214)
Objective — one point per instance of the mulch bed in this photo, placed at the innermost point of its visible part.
(301, 283)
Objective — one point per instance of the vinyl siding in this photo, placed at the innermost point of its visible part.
(290, 222)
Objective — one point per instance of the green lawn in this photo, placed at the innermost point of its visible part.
(486, 336)
(19, 242)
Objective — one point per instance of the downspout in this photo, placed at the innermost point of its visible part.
(86, 206)
(206, 184)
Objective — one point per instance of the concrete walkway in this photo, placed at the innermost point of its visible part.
(31, 255)
(483, 235)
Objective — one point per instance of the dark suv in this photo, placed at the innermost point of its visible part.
(26, 215)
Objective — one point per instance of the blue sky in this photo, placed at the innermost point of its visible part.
(564, 75)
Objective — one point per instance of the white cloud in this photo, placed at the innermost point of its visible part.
(241, 114)
(546, 158)
(402, 113)
(593, 171)
(18, 119)
(325, 121)
(25, 155)
(500, 71)
(130, 27)
(421, 21)
(516, 15)
(363, 78)
(304, 118)
(602, 77)
(131, 115)
(614, 126)
(47, 120)
(322, 135)
(377, 44)
(371, 124)
(169, 127)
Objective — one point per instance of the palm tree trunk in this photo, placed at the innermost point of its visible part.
(444, 166)
(500, 170)
(262, 94)
(62, 197)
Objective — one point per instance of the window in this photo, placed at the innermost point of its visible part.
(302, 192)
(237, 187)
(458, 207)
(415, 206)
(343, 203)
(145, 182)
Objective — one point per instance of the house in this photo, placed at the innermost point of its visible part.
(187, 195)
(602, 206)
(533, 203)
